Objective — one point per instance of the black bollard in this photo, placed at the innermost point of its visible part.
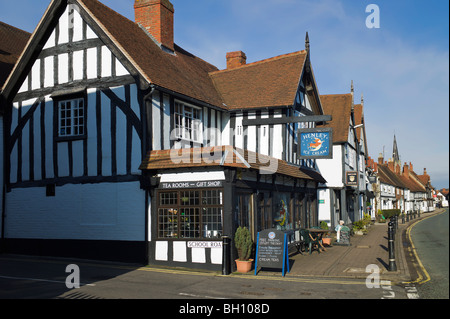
(418, 213)
(407, 216)
(403, 218)
(226, 255)
(392, 265)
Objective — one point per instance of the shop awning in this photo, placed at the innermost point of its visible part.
(226, 156)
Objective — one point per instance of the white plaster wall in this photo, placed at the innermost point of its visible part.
(324, 209)
(106, 211)
(331, 169)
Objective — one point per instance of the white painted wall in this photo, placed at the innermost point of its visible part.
(324, 209)
(107, 211)
(331, 169)
(77, 146)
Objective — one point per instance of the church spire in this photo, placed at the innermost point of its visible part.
(395, 155)
(307, 42)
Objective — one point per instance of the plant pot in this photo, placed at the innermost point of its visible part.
(359, 232)
(326, 241)
(244, 266)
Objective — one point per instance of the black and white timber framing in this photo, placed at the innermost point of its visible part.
(85, 192)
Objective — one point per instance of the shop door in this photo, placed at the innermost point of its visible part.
(244, 213)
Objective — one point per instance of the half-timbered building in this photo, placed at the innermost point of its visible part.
(343, 196)
(121, 145)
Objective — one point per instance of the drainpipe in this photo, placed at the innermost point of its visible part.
(4, 171)
(144, 153)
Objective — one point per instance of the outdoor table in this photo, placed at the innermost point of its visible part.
(319, 232)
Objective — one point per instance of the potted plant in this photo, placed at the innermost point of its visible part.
(244, 245)
(359, 228)
(326, 239)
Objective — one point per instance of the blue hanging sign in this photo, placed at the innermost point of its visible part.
(315, 143)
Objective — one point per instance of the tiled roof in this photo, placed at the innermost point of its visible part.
(226, 156)
(412, 184)
(181, 72)
(388, 177)
(358, 113)
(267, 83)
(12, 43)
(339, 106)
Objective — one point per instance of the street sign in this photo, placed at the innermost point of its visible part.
(315, 143)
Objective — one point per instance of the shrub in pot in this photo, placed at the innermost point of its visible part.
(244, 245)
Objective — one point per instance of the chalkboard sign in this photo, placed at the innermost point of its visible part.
(344, 237)
(271, 250)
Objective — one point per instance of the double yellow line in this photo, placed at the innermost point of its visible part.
(422, 272)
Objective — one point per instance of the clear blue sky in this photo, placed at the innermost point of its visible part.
(401, 68)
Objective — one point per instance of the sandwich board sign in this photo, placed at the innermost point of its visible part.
(272, 250)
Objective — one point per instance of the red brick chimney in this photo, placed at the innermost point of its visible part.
(405, 170)
(380, 159)
(391, 165)
(236, 59)
(156, 16)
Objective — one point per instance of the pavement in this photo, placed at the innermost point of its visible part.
(370, 249)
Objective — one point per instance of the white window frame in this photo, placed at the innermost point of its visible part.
(188, 122)
(72, 120)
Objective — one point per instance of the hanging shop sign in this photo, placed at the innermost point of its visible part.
(315, 143)
(351, 178)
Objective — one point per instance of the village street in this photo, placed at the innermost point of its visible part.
(30, 277)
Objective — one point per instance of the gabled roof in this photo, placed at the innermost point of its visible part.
(358, 113)
(361, 131)
(412, 184)
(181, 72)
(388, 177)
(339, 106)
(268, 83)
(12, 43)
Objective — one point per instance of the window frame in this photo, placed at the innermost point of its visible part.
(182, 116)
(177, 206)
(58, 99)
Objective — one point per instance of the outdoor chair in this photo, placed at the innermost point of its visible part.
(311, 243)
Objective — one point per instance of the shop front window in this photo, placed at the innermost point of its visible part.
(281, 215)
(190, 214)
